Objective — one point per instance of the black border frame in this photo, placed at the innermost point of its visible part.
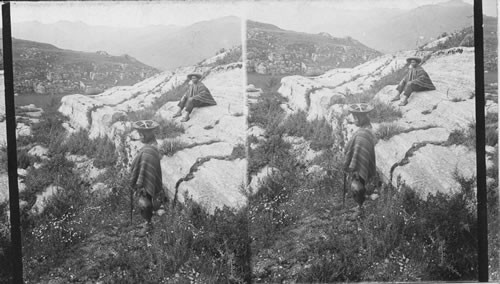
(482, 233)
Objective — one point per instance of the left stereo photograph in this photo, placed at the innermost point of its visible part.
(131, 130)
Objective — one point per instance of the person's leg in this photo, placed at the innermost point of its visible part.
(400, 89)
(181, 105)
(358, 193)
(146, 210)
(190, 105)
(409, 89)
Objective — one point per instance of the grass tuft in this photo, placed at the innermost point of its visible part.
(386, 130)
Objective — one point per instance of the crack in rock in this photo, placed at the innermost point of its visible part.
(199, 162)
(414, 148)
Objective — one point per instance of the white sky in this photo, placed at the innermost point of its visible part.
(144, 13)
(123, 14)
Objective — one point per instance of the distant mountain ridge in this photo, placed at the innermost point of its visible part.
(272, 50)
(163, 47)
(41, 68)
(410, 29)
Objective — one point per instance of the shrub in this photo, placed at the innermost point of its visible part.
(466, 137)
(272, 152)
(24, 160)
(383, 112)
(5, 246)
(387, 130)
(266, 110)
(149, 113)
(491, 129)
(318, 131)
(50, 126)
(3, 158)
(170, 146)
(101, 149)
(239, 152)
(105, 154)
(168, 129)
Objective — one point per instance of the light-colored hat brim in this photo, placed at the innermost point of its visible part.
(194, 74)
(418, 59)
(145, 125)
(360, 108)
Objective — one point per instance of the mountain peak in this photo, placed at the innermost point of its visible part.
(259, 25)
(454, 3)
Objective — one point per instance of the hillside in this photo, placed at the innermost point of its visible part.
(41, 68)
(272, 50)
(465, 37)
(163, 47)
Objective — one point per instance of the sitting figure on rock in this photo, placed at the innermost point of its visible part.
(145, 173)
(197, 95)
(360, 162)
(416, 80)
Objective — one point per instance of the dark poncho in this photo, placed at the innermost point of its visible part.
(146, 170)
(360, 154)
(419, 77)
(201, 93)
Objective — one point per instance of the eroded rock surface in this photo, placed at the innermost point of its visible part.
(205, 168)
(420, 155)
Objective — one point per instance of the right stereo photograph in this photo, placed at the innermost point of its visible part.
(362, 141)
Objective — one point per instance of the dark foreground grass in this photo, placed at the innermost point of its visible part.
(300, 219)
(86, 236)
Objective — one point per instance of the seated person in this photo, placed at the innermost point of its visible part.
(416, 80)
(197, 95)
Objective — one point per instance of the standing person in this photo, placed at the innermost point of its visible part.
(416, 80)
(145, 173)
(197, 95)
(360, 160)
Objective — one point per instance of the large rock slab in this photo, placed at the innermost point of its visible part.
(179, 165)
(394, 150)
(217, 183)
(432, 168)
(319, 92)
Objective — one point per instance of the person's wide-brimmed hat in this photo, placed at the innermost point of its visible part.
(145, 125)
(360, 108)
(194, 74)
(418, 59)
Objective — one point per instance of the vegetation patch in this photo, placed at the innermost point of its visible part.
(168, 129)
(383, 112)
(101, 149)
(387, 130)
(149, 112)
(170, 146)
(318, 131)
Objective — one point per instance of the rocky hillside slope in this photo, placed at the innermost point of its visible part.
(207, 166)
(41, 68)
(272, 50)
(418, 153)
(465, 37)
